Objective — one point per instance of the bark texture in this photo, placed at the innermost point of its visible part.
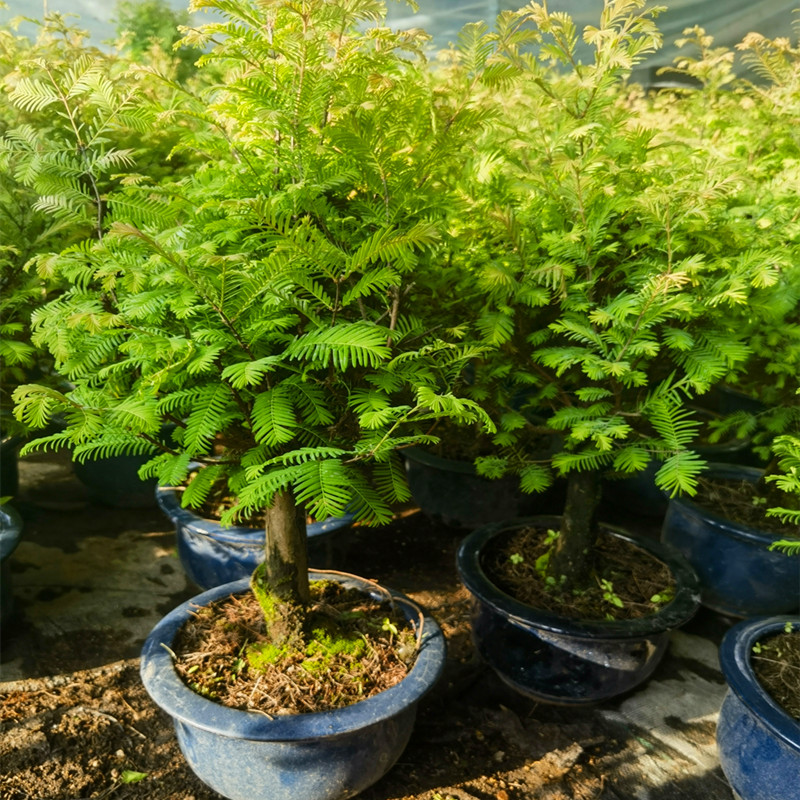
(572, 554)
(281, 582)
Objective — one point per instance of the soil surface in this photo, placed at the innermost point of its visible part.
(776, 663)
(746, 503)
(626, 578)
(82, 725)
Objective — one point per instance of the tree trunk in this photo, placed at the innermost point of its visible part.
(281, 582)
(572, 554)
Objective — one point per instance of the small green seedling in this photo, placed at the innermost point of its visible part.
(609, 595)
(130, 776)
(543, 562)
(662, 598)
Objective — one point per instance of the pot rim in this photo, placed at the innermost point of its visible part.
(11, 536)
(168, 502)
(733, 529)
(422, 456)
(170, 693)
(678, 611)
(734, 658)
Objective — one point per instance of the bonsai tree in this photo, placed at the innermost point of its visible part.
(755, 124)
(609, 264)
(261, 304)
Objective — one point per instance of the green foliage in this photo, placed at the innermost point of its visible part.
(150, 28)
(609, 263)
(606, 258)
(756, 124)
(348, 246)
(787, 479)
(75, 126)
(261, 303)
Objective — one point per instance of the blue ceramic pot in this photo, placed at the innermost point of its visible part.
(212, 555)
(115, 481)
(559, 660)
(9, 465)
(758, 742)
(451, 491)
(639, 494)
(739, 575)
(10, 534)
(323, 756)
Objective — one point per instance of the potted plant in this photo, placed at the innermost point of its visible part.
(444, 481)
(71, 133)
(260, 304)
(757, 730)
(616, 267)
(726, 535)
(758, 737)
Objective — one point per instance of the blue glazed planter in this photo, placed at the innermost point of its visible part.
(10, 535)
(115, 481)
(639, 493)
(324, 756)
(450, 490)
(212, 555)
(9, 465)
(738, 574)
(565, 661)
(757, 741)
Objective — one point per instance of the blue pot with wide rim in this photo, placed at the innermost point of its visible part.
(757, 741)
(329, 755)
(10, 535)
(639, 493)
(566, 661)
(739, 575)
(212, 555)
(9, 464)
(450, 490)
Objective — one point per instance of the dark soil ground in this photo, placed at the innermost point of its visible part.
(74, 733)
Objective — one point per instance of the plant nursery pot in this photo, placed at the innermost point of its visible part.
(318, 756)
(10, 534)
(565, 661)
(757, 741)
(639, 493)
(739, 575)
(212, 555)
(452, 492)
(115, 481)
(9, 465)
(724, 399)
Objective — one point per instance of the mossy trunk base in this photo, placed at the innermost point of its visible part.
(280, 584)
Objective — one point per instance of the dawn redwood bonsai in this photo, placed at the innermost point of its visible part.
(608, 265)
(261, 304)
(755, 122)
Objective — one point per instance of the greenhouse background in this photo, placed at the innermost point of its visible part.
(728, 22)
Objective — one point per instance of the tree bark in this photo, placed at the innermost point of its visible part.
(572, 554)
(281, 582)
